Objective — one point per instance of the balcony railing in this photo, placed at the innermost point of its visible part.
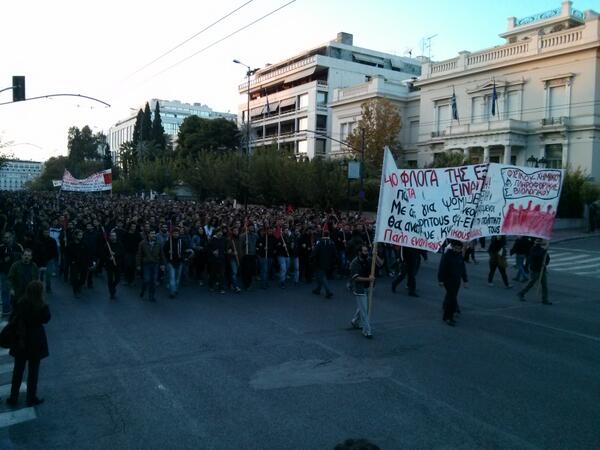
(555, 121)
(287, 68)
(495, 54)
(558, 39)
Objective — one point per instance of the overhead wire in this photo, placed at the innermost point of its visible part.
(221, 39)
(191, 37)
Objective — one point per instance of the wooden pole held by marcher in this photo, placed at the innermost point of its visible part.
(539, 280)
(112, 255)
(372, 282)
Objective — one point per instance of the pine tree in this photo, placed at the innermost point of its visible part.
(137, 128)
(146, 130)
(158, 132)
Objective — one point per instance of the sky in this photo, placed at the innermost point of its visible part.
(100, 49)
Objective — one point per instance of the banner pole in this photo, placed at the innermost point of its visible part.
(386, 154)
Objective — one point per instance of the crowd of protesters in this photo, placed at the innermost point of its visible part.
(77, 236)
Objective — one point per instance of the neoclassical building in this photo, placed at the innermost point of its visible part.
(547, 103)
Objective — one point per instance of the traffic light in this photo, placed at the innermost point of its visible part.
(18, 88)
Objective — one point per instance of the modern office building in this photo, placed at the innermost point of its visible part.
(289, 100)
(15, 173)
(172, 113)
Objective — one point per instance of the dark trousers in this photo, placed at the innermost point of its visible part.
(248, 270)
(113, 277)
(216, 274)
(493, 266)
(410, 272)
(451, 300)
(149, 273)
(32, 377)
(129, 267)
(78, 275)
(470, 254)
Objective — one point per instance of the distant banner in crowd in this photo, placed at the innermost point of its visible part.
(56, 183)
(421, 208)
(100, 181)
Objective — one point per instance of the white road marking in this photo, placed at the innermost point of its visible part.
(6, 368)
(5, 389)
(592, 272)
(10, 418)
(568, 259)
(562, 330)
(577, 267)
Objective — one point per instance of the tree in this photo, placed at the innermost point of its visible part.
(108, 162)
(381, 123)
(198, 135)
(137, 128)
(4, 157)
(54, 169)
(448, 159)
(158, 131)
(129, 157)
(146, 128)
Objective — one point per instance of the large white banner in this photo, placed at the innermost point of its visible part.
(421, 208)
(100, 181)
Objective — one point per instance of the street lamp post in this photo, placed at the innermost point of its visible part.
(532, 161)
(249, 73)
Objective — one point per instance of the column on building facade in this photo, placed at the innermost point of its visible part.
(565, 154)
(542, 151)
(486, 153)
(507, 154)
(466, 153)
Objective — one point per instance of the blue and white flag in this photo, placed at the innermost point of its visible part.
(494, 99)
(454, 107)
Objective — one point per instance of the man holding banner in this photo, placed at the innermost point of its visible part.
(360, 269)
(422, 208)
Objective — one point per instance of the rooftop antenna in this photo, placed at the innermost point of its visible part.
(426, 45)
(408, 51)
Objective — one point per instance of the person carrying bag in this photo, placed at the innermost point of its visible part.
(30, 345)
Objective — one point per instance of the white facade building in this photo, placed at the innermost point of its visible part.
(547, 82)
(172, 114)
(15, 173)
(289, 100)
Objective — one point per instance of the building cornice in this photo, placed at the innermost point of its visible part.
(507, 63)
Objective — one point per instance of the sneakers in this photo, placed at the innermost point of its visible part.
(368, 335)
(491, 284)
(316, 292)
(546, 302)
(329, 295)
(521, 297)
(354, 325)
(413, 294)
(509, 286)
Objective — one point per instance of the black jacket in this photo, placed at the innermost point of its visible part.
(452, 268)
(325, 254)
(32, 342)
(536, 258)
(44, 251)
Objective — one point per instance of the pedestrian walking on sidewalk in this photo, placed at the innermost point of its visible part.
(30, 315)
(538, 263)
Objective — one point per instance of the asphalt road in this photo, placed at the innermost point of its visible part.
(278, 369)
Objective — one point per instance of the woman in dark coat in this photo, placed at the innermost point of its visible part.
(30, 313)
